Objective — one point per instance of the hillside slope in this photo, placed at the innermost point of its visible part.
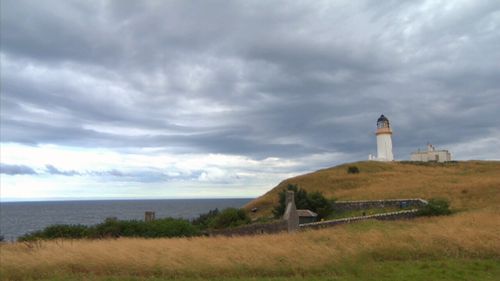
(468, 185)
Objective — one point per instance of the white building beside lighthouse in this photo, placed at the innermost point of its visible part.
(431, 155)
(384, 140)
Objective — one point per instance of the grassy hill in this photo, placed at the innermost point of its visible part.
(468, 185)
(462, 246)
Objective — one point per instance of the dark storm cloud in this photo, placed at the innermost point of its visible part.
(16, 169)
(252, 78)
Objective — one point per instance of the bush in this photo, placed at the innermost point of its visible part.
(352, 170)
(58, 231)
(167, 227)
(436, 207)
(230, 217)
(314, 201)
(319, 204)
(203, 221)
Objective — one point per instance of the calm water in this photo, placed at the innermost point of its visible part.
(18, 218)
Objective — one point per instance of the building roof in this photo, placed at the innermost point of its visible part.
(306, 213)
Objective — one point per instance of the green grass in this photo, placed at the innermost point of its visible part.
(408, 270)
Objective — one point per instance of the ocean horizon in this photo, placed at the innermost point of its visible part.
(20, 217)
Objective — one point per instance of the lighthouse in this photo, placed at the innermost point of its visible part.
(384, 139)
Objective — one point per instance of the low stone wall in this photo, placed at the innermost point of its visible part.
(290, 223)
(407, 214)
(372, 204)
(253, 229)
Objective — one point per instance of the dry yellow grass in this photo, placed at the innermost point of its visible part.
(474, 234)
(468, 185)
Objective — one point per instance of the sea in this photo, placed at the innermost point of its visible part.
(18, 218)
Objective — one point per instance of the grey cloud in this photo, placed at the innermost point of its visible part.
(54, 171)
(16, 169)
(248, 78)
(142, 175)
(145, 175)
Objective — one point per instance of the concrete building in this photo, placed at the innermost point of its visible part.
(431, 155)
(384, 140)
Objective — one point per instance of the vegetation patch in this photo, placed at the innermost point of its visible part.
(436, 207)
(166, 227)
(112, 228)
(352, 170)
(230, 217)
(314, 201)
(362, 270)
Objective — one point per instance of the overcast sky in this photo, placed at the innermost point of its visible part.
(183, 99)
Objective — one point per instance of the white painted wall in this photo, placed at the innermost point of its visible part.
(384, 147)
(435, 155)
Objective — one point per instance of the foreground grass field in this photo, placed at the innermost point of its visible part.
(442, 270)
(471, 236)
(463, 246)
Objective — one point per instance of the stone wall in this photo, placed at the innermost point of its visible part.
(373, 204)
(407, 214)
(290, 222)
(252, 229)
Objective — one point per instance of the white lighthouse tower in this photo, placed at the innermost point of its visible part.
(384, 139)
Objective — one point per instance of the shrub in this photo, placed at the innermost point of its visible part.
(314, 201)
(319, 204)
(203, 221)
(352, 170)
(300, 197)
(167, 227)
(230, 217)
(436, 207)
(170, 227)
(58, 231)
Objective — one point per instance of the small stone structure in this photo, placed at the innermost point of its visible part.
(431, 155)
(149, 216)
(307, 216)
(291, 215)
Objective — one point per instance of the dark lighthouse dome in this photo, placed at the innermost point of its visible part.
(382, 122)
